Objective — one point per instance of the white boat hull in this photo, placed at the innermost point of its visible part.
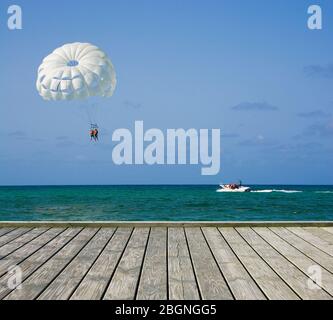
(239, 189)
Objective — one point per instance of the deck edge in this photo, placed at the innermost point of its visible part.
(4, 224)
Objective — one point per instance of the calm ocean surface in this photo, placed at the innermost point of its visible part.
(165, 203)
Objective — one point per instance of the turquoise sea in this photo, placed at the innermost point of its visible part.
(165, 203)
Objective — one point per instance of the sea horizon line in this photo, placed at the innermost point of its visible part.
(160, 184)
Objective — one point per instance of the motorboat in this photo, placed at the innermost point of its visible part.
(233, 187)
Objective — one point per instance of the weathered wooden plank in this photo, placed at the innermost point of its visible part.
(297, 280)
(32, 263)
(314, 240)
(241, 284)
(17, 243)
(153, 281)
(10, 236)
(269, 282)
(328, 229)
(305, 247)
(26, 250)
(126, 277)
(210, 280)
(182, 284)
(321, 233)
(3, 231)
(300, 260)
(95, 282)
(40, 279)
(64, 285)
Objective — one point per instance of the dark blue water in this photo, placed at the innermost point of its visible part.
(171, 203)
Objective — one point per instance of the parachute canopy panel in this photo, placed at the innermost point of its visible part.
(76, 71)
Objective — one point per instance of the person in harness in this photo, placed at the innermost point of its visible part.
(92, 134)
(96, 134)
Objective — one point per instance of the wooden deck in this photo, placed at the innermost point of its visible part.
(168, 261)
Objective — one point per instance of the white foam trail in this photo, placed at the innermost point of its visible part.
(324, 191)
(274, 190)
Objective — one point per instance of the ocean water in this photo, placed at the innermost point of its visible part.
(168, 203)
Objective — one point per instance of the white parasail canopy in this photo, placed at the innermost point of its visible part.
(76, 71)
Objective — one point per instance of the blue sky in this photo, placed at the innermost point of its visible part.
(250, 68)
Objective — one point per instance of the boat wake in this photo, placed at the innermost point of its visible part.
(275, 190)
(324, 191)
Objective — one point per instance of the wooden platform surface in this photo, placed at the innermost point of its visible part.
(162, 262)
